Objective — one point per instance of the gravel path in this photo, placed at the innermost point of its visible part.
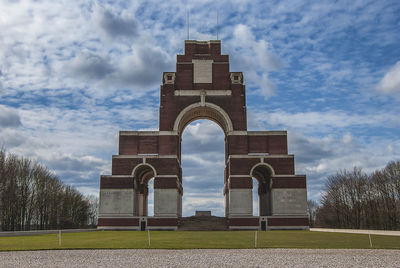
(203, 258)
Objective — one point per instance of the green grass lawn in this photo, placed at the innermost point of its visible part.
(199, 239)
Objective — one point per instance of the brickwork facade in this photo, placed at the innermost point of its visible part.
(201, 88)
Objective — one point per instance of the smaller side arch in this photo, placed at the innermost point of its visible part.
(144, 169)
(268, 166)
(263, 173)
(142, 174)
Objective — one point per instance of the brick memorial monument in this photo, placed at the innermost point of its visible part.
(203, 88)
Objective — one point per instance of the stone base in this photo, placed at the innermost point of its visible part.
(202, 213)
(233, 223)
(287, 223)
(269, 223)
(203, 223)
(138, 223)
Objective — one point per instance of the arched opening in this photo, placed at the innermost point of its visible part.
(256, 199)
(150, 197)
(203, 162)
(143, 176)
(203, 111)
(263, 174)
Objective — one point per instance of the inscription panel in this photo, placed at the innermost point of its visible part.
(240, 202)
(165, 202)
(202, 71)
(117, 202)
(289, 201)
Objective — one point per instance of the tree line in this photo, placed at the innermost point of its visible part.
(356, 200)
(32, 197)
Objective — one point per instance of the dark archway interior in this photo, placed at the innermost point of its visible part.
(143, 174)
(262, 174)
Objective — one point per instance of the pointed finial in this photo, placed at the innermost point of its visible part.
(187, 24)
(217, 23)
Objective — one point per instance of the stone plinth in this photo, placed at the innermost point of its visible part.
(202, 213)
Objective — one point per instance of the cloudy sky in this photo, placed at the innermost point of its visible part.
(74, 73)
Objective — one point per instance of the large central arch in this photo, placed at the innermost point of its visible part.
(203, 163)
(203, 88)
(201, 110)
(204, 110)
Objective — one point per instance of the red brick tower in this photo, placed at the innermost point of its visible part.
(203, 88)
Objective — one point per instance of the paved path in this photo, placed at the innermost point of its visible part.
(355, 231)
(203, 258)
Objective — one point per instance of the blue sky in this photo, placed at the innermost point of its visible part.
(74, 73)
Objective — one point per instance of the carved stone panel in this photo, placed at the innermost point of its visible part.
(117, 202)
(202, 71)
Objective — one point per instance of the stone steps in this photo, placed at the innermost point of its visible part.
(203, 223)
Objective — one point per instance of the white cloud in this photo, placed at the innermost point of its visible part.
(203, 131)
(324, 142)
(104, 75)
(390, 83)
(9, 118)
(267, 60)
(390, 148)
(243, 36)
(1, 83)
(91, 66)
(45, 43)
(203, 161)
(256, 58)
(120, 25)
(63, 139)
(197, 201)
(313, 122)
(318, 168)
(347, 138)
(203, 167)
(144, 67)
(321, 156)
(11, 138)
(267, 88)
(89, 190)
(65, 162)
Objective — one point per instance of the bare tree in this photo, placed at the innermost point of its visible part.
(357, 200)
(32, 196)
(93, 209)
(312, 208)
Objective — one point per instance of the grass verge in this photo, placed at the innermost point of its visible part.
(199, 239)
